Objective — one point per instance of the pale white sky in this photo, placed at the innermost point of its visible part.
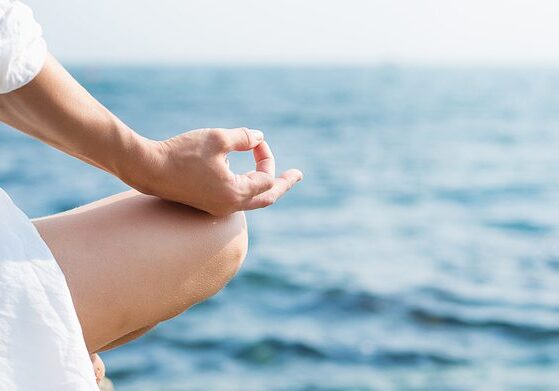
(465, 32)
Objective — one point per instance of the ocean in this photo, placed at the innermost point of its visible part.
(421, 251)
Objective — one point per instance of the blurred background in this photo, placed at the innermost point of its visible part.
(421, 252)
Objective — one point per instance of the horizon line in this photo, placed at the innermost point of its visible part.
(73, 63)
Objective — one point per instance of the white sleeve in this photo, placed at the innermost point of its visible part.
(22, 47)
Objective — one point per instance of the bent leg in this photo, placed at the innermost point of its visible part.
(132, 261)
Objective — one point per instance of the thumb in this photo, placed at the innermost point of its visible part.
(242, 139)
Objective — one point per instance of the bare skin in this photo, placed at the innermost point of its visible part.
(98, 367)
(134, 260)
(190, 168)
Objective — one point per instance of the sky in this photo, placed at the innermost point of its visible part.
(465, 32)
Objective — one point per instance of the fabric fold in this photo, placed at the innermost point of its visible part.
(22, 47)
(41, 341)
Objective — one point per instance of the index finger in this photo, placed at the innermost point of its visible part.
(264, 158)
(257, 182)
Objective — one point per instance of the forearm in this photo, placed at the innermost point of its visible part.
(56, 109)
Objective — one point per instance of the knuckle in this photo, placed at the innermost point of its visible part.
(247, 135)
(215, 137)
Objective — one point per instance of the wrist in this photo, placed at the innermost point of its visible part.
(137, 165)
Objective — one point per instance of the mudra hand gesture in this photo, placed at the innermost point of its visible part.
(193, 169)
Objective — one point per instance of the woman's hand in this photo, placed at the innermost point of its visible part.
(193, 169)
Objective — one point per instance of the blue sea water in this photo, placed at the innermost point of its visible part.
(421, 252)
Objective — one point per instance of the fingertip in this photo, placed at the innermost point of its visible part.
(241, 139)
(293, 173)
(256, 135)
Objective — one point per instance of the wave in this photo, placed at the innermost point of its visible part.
(480, 195)
(527, 331)
(415, 358)
(521, 226)
(274, 349)
(258, 279)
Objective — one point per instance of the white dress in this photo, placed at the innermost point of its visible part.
(41, 341)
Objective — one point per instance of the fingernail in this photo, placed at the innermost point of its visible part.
(257, 134)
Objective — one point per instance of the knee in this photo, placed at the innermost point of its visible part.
(230, 245)
(235, 251)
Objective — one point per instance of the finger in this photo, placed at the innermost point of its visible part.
(241, 139)
(253, 183)
(282, 184)
(264, 158)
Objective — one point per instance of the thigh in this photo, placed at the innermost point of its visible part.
(133, 260)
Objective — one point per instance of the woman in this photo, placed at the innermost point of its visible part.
(156, 258)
